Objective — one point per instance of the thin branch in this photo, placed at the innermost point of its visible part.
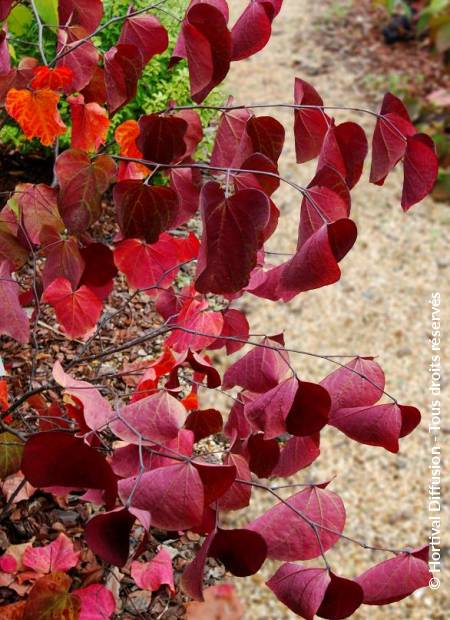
(40, 32)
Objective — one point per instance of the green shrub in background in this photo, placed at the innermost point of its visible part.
(156, 87)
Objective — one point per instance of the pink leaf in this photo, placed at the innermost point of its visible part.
(291, 537)
(298, 453)
(194, 317)
(97, 602)
(57, 556)
(154, 574)
(13, 319)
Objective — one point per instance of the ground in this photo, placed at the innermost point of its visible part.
(380, 306)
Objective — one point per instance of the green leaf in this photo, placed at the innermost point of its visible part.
(20, 20)
(48, 11)
(11, 450)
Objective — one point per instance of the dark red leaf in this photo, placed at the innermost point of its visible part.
(123, 68)
(146, 33)
(161, 138)
(231, 130)
(234, 224)
(82, 60)
(252, 31)
(263, 455)
(241, 551)
(59, 459)
(420, 166)
(204, 423)
(267, 136)
(310, 125)
(309, 411)
(216, 479)
(85, 13)
(100, 269)
(344, 148)
(144, 211)
(108, 535)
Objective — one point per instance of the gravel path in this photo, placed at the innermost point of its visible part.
(379, 307)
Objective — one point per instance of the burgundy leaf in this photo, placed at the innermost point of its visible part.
(252, 31)
(263, 455)
(216, 479)
(310, 124)
(309, 411)
(161, 138)
(311, 591)
(236, 223)
(208, 48)
(108, 535)
(173, 495)
(144, 211)
(344, 149)
(59, 459)
(146, 33)
(100, 269)
(420, 166)
(232, 128)
(241, 551)
(82, 60)
(204, 423)
(261, 368)
(267, 136)
(389, 138)
(290, 537)
(123, 69)
(85, 13)
(185, 183)
(394, 579)
(238, 495)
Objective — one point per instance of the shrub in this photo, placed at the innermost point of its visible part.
(133, 434)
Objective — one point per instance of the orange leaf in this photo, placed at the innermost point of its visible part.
(90, 124)
(37, 113)
(13, 611)
(50, 599)
(125, 136)
(55, 79)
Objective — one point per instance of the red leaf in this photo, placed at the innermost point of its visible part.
(5, 8)
(194, 132)
(38, 205)
(236, 223)
(100, 269)
(123, 68)
(420, 167)
(54, 79)
(157, 418)
(59, 459)
(173, 495)
(108, 535)
(13, 319)
(97, 411)
(57, 556)
(263, 455)
(394, 579)
(146, 33)
(252, 31)
(267, 136)
(37, 114)
(85, 13)
(389, 138)
(232, 128)
(63, 258)
(81, 60)
(208, 48)
(90, 124)
(216, 479)
(268, 183)
(161, 138)
(204, 326)
(144, 211)
(359, 383)
(290, 537)
(154, 574)
(204, 423)
(82, 183)
(235, 325)
(344, 149)
(77, 311)
(311, 591)
(298, 453)
(377, 425)
(238, 495)
(310, 125)
(185, 182)
(260, 369)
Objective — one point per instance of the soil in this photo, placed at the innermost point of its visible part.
(379, 307)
